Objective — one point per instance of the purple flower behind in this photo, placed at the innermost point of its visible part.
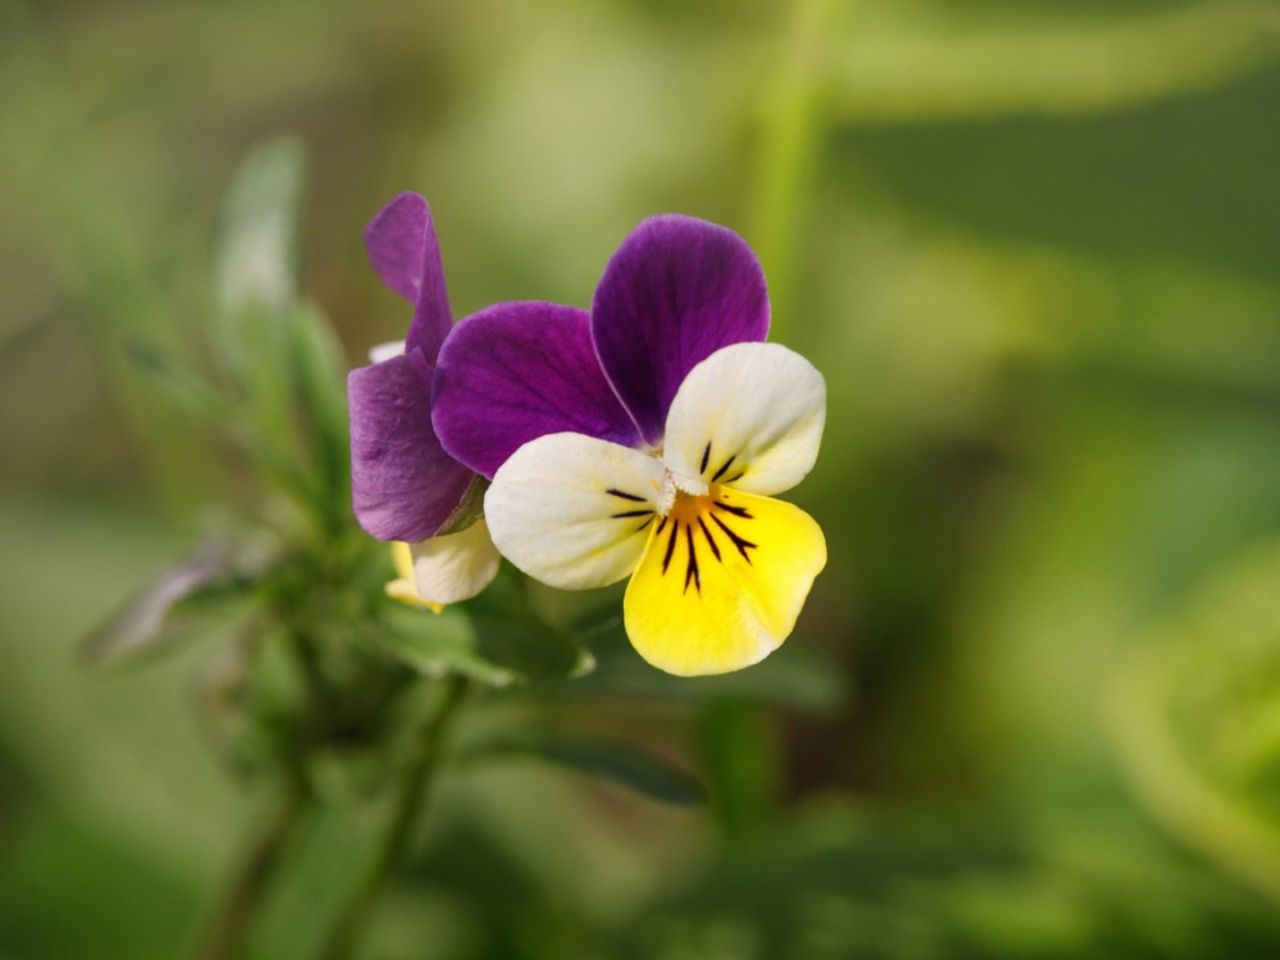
(404, 485)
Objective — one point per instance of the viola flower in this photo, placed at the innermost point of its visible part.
(646, 438)
(404, 486)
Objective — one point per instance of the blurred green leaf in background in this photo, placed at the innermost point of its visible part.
(1031, 708)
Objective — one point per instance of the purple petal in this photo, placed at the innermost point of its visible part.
(432, 318)
(394, 242)
(405, 252)
(404, 486)
(516, 371)
(677, 290)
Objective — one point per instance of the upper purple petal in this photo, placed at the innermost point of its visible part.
(394, 241)
(516, 371)
(405, 252)
(432, 318)
(403, 484)
(676, 291)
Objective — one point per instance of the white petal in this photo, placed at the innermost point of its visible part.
(573, 511)
(454, 567)
(749, 416)
(385, 351)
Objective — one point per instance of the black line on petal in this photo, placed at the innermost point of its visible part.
(742, 512)
(625, 496)
(706, 455)
(691, 569)
(736, 477)
(671, 546)
(723, 467)
(662, 526)
(645, 524)
(741, 543)
(715, 548)
(630, 513)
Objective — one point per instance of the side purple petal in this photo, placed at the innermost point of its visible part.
(676, 291)
(403, 484)
(405, 253)
(394, 240)
(515, 372)
(432, 318)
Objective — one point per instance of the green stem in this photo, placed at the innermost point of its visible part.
(226, 937)
(740, 757)
(787, 139)
(351, 923)
(307, 660)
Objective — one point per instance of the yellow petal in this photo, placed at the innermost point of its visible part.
(403, 588)
(402, 559)
(404, 591)
(722, 581)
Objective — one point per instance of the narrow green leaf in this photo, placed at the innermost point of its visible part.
(320, 409)
(510, 632)
(180, 387)
(622, 764)
(166, 608)
(496, 638)
(798, 677)
(438, 644)
(256, 284)
(257, 258)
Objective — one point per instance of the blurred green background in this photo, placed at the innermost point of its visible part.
(1033, 706)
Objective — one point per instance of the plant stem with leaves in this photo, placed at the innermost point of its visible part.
(345, 934)
(227, 936)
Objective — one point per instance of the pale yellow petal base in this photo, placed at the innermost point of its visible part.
(456, 566)
(722, 582)
(402, 587)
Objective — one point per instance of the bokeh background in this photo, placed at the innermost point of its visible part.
(1033, 706)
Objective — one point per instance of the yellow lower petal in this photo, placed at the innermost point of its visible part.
(722, 581)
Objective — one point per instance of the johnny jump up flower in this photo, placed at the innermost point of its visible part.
(646, 438)
(405, 487)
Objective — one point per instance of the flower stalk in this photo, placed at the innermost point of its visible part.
(228, 934)
(351, 923)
